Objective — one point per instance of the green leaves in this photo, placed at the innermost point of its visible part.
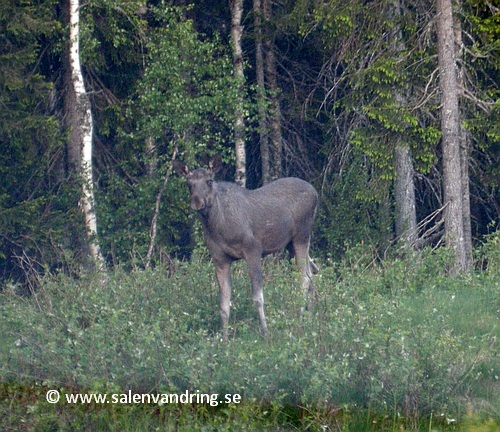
(378, 335)
(113, 32)
(382, 99)
(187, 92)
(30, 137)
(185, 101)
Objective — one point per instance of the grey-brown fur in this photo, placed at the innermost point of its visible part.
(247, 224)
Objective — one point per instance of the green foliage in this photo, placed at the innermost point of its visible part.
(187, 95)
(26, 405)
(27, 133)
(488, 255)
(381, 99)
(399, 339)
(126, 210)
(185, 102)
(334, 20)
(374, 74)
(33, 201)
(482, 112)
(354, 193)
(112, 35)
(158, 84)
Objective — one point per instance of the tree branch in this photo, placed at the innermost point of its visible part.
(157, 209)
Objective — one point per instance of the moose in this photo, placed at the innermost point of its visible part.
(247, 224)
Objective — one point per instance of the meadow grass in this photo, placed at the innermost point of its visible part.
(396, 345)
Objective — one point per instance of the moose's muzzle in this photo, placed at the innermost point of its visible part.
(197, 203)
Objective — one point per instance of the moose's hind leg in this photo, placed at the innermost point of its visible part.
(307, 269)
(224, 279)
(255, 269)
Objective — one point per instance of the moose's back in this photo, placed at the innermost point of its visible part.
(273, 214)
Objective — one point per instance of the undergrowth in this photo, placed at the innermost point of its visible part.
(396, 344)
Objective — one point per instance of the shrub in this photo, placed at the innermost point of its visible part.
(489, 253)
(386, 340)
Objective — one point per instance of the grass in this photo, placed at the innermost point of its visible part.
(390, 346)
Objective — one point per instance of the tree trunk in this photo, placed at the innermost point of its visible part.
(272, 81)
(156, 214)
(261, 92)
(450, 127)
(464, 143)
(406, 215)
(151, 157)
(79, 119)
(466, 214)
(239, 124)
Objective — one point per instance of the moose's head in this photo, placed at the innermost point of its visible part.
(201, 183)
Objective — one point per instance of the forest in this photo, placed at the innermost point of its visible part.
(389, 108)
(347, 96)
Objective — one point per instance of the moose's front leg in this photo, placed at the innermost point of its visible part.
(224, 279)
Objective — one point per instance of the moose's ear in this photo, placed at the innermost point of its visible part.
(215, 164)
(180, 168)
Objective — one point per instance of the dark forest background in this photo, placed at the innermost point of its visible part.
(345, 95)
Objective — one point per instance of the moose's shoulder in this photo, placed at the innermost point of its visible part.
(291, 181)
(282, 187)
(225, 187)
(289, 185)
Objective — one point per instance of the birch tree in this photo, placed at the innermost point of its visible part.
(272, 82)
(239, 123)
(80, 124)
(261, 92)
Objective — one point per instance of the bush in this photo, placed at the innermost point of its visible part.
(489, 253)
(385, 340)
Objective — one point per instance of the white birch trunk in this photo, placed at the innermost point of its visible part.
(239, 124)
(261, 86)
(276, 149)
(82, 134)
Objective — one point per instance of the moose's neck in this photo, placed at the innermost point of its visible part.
(208, 215)
(212, 218)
